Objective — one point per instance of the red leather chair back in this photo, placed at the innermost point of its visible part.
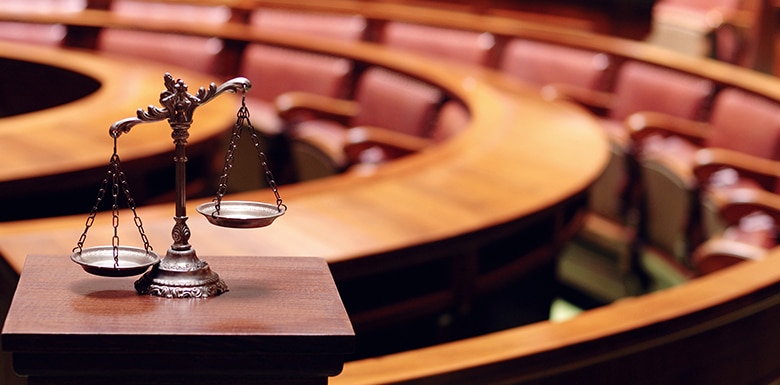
(275, 70)
(198, 53)
(645, 87)
(164, 11)
(395, 101)
(193, 52)
(542, 63)
(335, 26)
(42, 34)
(471, 47)
(746, 122)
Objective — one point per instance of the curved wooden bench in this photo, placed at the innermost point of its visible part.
(68, 146)
(717, 329)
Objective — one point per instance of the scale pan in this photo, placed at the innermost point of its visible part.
(100, 260)
(241, 214)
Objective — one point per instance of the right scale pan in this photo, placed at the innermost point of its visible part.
(241, 214)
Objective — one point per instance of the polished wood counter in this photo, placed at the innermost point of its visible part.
(282, 322)
(68, 146)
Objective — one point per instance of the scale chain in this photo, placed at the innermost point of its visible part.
(242, 119)
(131, 204)
(235, 138)
(117, 177)
(115, 207)
(269, 177)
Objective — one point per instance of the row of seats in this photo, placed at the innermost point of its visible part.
(738, 32)
(645, 207)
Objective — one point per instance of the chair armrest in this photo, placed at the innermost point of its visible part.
(596, 101)
(718, 253)
(393, 143)
(644, 124)
(707, 161)
(297, 105)
(735, 204)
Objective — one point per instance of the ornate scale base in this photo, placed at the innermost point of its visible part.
(198, 283)
(181, 274)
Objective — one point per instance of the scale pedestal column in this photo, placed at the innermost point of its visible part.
(181, 273)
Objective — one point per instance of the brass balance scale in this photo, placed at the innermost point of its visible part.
(180, 274)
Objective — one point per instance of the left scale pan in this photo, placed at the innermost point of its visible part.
(100, 260)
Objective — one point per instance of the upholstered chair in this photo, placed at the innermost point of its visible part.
(276, 70)
(382, 98)
(367, 146)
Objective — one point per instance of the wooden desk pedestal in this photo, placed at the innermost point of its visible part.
(282, 322)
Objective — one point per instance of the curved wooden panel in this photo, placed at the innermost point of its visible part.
(68, 146)
(717, 329)
(75, 136)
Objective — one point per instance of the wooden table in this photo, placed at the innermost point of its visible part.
(282, 321)
(61, 153)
